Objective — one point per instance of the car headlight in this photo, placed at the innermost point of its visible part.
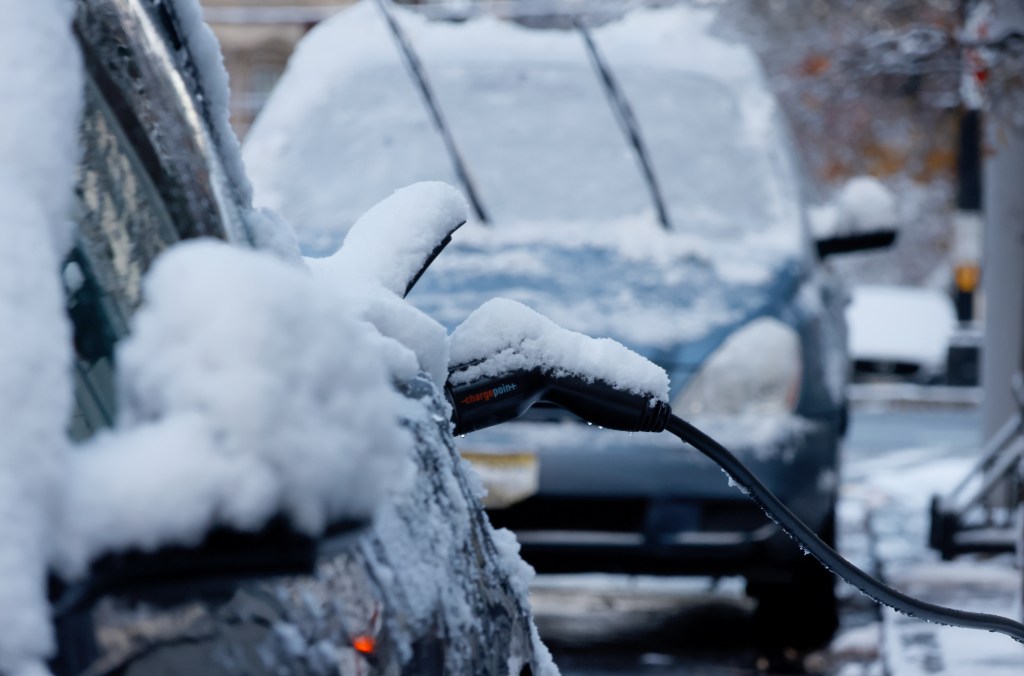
(756, 370)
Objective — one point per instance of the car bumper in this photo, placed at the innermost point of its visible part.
(649, 504)
(720, 552)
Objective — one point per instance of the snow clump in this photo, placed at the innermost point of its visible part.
(40, 86)
(241, 398)
(865, 204)
(380, 258)
(503, 336)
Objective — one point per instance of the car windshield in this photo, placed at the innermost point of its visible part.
(542, 143)
(715, 171)
(574, 232)
(540, 140)
(400, 137)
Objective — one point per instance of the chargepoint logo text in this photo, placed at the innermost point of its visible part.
(487, 395)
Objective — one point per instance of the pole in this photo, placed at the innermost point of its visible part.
(994, 39)
(1003, 272)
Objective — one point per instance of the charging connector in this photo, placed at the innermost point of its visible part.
(491, 401)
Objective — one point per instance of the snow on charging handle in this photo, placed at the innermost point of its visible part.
(508, 357)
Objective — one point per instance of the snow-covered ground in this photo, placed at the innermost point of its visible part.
(889, 478)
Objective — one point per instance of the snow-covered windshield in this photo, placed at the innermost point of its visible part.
(574, 233)
(532, 121)
(394, 146)
(399, 135)
(540, 140)
(716, 176)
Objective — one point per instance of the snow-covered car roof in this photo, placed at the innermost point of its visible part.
(573, 224)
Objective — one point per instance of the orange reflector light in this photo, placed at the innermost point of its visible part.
(967, 278)
(364, 644)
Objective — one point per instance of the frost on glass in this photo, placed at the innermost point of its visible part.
(373, 110)
(122, 221)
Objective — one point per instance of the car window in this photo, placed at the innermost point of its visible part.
(540, 140)
(717, 174)
(122, 225)
(148, 176)
(382, 133)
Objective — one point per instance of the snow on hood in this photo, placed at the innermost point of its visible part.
(240, 399)
(504, 336)
(900, 324)
(630, 281)
(40, 86)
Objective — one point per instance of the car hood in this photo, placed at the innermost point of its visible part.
(668, 295)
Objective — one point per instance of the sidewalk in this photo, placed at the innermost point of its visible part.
(908, 395)
(886, 519)
(990, 585)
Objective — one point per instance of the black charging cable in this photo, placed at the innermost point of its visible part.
(828, 557)
(493, 400)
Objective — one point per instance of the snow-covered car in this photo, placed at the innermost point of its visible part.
(213, 460)
(900, 333)
(631, 180)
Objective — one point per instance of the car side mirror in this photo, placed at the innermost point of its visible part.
(863, 216)
(840, 244)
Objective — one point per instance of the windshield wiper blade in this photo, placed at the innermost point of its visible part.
(412, 61)
(627, 121)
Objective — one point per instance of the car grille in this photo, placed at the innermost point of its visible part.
(625, 515)
(896, 368)
(548, 513)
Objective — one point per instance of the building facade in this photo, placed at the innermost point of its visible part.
(257, 37)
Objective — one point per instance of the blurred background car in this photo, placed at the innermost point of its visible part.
(425, 587)
(632, 179)
(900, 333)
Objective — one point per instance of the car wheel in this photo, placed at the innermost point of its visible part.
(801, 614)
